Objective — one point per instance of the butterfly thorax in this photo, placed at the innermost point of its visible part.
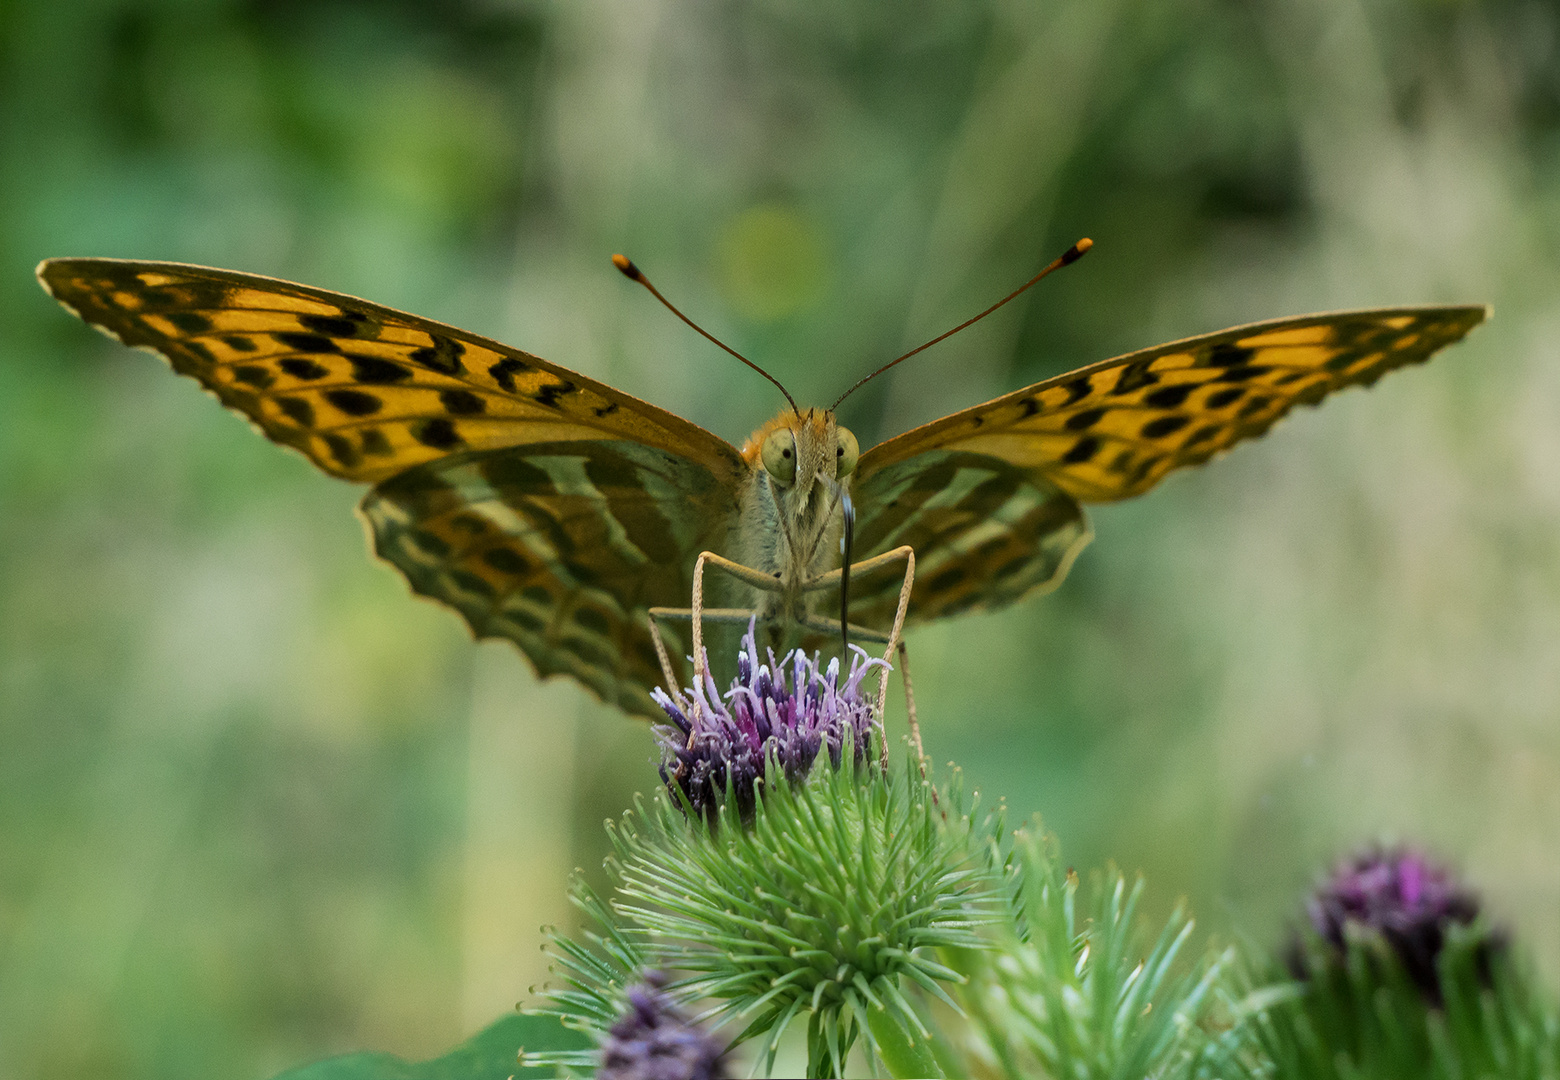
(792, 512)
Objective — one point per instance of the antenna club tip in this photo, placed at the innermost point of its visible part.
(1076, 251)
(625, 264)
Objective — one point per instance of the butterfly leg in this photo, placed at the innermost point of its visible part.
(888, 558)
(697, 612)
(672, 686)
(716, 615)
(745, 574)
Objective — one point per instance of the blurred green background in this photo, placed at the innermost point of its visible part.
(257, 805)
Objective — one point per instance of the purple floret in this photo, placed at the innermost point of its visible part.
(1404, 897)
(786, 710)
(654, 1040)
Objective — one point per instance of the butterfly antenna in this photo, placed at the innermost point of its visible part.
(632, 272)
(1071, 255)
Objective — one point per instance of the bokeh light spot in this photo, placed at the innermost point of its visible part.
(772, 262)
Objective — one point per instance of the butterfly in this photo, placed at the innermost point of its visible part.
(553, 510)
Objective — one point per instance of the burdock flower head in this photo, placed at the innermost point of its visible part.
(1400, 895)
(786, 711)
(655, 1040)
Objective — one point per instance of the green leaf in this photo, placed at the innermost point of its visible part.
(488, 1055)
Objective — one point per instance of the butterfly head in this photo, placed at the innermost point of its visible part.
(795, 449)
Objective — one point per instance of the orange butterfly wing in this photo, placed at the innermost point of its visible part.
(544, 506)
(363, 391)
(1105, 432)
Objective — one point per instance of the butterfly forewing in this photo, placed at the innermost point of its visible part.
(560, 547)
(365, 391)
(1113, 430)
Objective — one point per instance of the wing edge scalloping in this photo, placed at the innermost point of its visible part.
(628, 701)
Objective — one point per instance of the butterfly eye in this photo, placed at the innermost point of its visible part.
(779, 455)
(846, 453)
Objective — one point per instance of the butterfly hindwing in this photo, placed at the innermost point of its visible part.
(985, 533)
(1114, 429)
(559, 547)
(364, 391)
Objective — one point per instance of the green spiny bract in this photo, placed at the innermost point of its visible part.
(831, 907)
(1057, 999)
(1361, 1013)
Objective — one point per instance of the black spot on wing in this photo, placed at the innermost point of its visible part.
(437, 432)
(1220, 398)
(348, 324)
(462, 402)
(443, 356)
(298, 409)
(377, 371)
(300, 367)
(1077, 389)
(1134, 376)
(342, 450)
(1168, 397)
(505, 370)
(1012, 566)
(239, 343)
(430, 543)
(1082, 450)
(526, 619)
(375, 443)
(1146, 466)
(548, 395)
(254, 375)
(190, 322)
(506, 560)
(1164, 425)
(472, 582)
(1082, 421)
(607, 409)
(353, 402)
(1228, 354)
(305, 343)
(1243, 372)
(198, 350)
